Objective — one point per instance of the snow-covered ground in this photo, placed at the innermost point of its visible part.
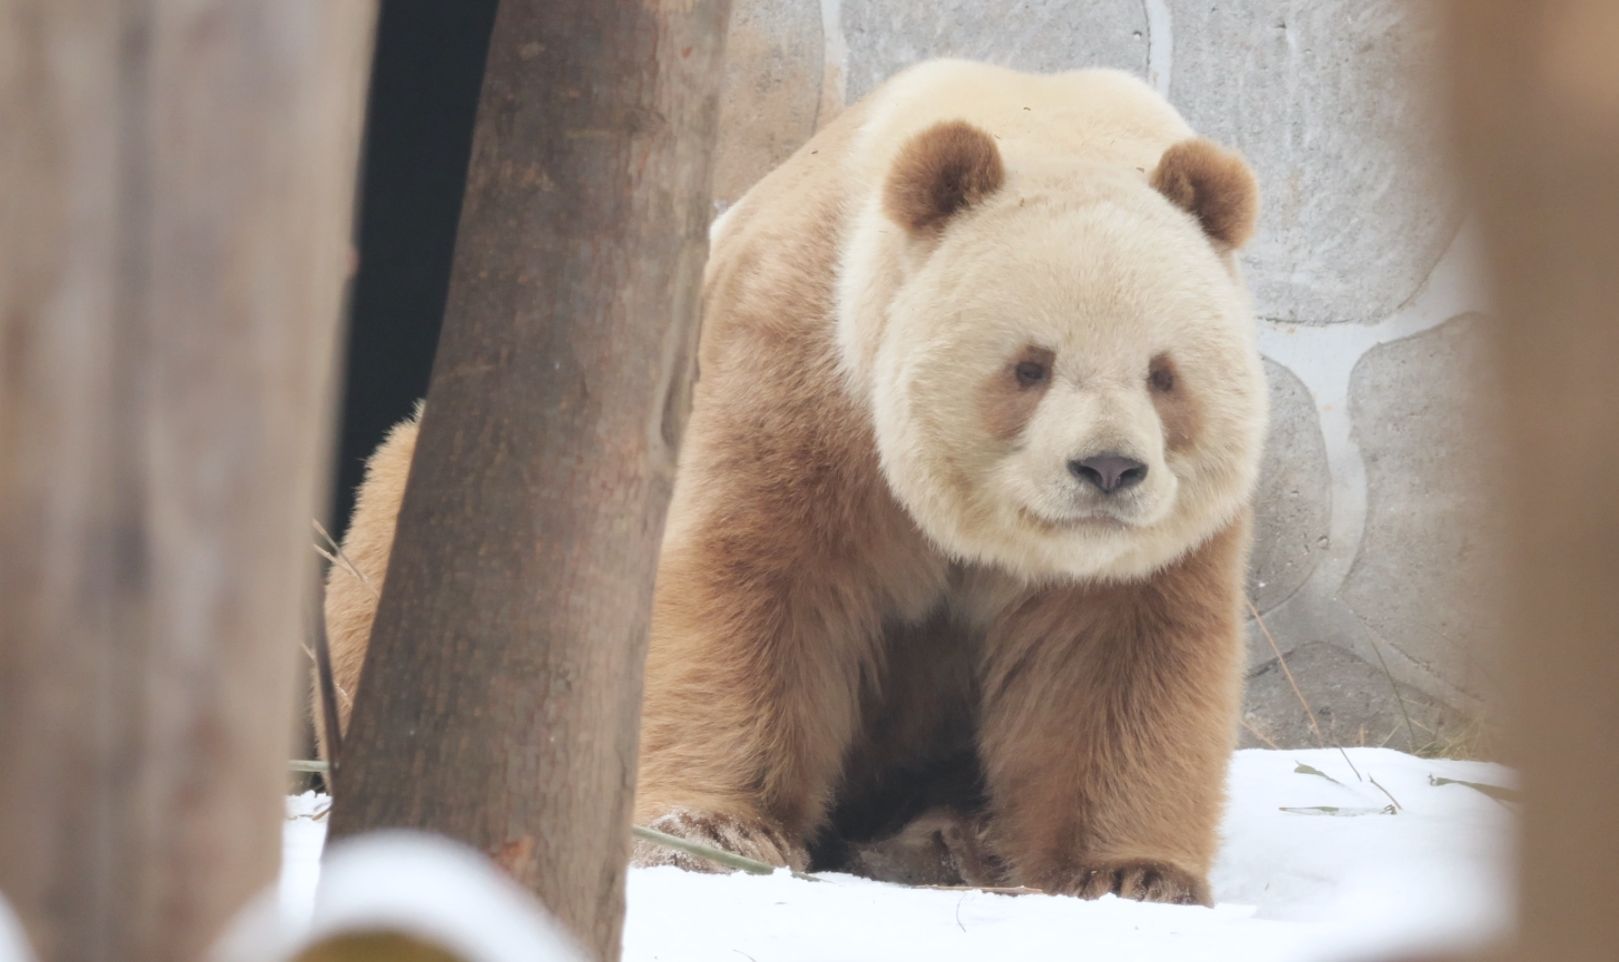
(1319, 864)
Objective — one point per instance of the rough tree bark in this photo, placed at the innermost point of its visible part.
(177, 182)
(1537, 96)
(501, 696)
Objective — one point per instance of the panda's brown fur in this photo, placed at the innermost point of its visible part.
(829, 625)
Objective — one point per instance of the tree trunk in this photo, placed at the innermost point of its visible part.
(177, 181)
(1537, 94)
(501, 695)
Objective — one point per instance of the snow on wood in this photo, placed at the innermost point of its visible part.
(396, 885)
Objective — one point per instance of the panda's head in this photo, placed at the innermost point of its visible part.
(1066, 382)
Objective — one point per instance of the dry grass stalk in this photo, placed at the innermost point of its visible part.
(1287, 673)
(342, 693)
(1259, 735)
(334, 554)
(1397, 806)
(1410, 730)
(710, 853)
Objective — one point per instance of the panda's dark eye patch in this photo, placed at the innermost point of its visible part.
(1033, 367)
(1161, 374)
(1176, 401)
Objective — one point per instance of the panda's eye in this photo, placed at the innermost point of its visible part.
(1162, 378)
(1030, 373)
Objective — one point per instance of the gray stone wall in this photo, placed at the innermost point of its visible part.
(1373, 523)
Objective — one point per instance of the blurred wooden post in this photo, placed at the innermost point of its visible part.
(176, 180)
(501, 696)
(1537, 94)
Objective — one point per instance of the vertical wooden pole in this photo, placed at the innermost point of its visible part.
(1537, 95)
(177, 183)
(501, 695)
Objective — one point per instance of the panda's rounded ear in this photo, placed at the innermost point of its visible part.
(1214, 185)
(940, 172)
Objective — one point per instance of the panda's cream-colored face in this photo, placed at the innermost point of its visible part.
(1066, 382)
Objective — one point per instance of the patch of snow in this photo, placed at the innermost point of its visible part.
(303, 839)
(1348, 870)
(1436, 872)
(680, 917)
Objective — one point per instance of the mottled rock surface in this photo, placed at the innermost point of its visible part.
(771, 91)
(1422, 580)
(885, 37)
(1355, 703)
(1294, 502)
(1326, 99)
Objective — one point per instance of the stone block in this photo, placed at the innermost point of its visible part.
(1293, 505)
(885, 36)
(770, 94)
(1423, 579)
(1327, 100)
(1355, 703)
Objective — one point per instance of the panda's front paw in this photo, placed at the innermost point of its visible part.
(1141, 879)
(748, 837)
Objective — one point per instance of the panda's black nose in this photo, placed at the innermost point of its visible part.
(1108, 472)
